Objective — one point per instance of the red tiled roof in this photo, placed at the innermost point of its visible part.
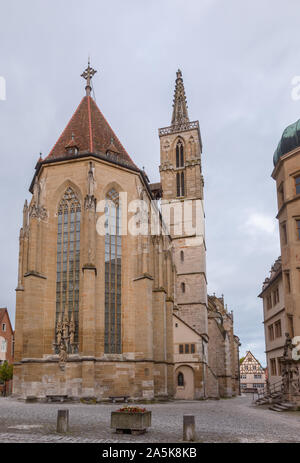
(91, 131)
(2, 312)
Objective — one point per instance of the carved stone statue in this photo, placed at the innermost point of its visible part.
(58, 332)
(65, 330)
(62, 352)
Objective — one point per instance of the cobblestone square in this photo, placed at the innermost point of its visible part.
(226, 420)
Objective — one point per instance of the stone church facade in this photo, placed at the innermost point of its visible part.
(99, 282)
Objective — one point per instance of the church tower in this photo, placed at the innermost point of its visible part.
(182, 199)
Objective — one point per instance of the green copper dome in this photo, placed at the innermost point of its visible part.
(289, 141)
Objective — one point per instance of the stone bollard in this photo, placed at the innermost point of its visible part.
(188, 427)
(62, 421)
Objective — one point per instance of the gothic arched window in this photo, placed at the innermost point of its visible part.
(180, 184)
(113, 256)
(180, 379)
(178, 189)
(179, 154)
(68, 256)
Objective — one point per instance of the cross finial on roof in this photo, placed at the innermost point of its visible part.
(87, 75)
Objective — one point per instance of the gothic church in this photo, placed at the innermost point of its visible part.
(111, 314)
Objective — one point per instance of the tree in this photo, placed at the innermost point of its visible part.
(6, 373)
(242, 359)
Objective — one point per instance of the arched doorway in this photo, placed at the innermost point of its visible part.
(184, 382)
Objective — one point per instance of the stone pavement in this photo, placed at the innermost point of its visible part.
(225, 420)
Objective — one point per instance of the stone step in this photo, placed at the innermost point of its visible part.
(287, 405)
(280, 407)
(275, 408)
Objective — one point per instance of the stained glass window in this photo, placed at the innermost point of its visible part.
(113, 260)
(68, 255)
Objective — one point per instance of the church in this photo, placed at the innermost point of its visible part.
(112, 297)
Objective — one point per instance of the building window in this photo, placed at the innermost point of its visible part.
(68, 256)
(278, 329)
(180, 379)
(3, 345)
(273, 367)
(275, 296)
(179, 154)
(187, 348)
(271, 332)
(181, 256)
(298, 229)
(3, 327)
(297, 184)
(113, 258)
(183, 287)
(180, 184)
(287, 282)
(269, 302)
(257, 376)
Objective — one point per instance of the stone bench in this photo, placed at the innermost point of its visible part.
(121, 398)
(56, 397)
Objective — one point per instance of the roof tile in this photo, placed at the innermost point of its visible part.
(91, 131)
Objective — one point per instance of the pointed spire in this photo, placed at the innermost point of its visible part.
(180, 113)
(87, 75)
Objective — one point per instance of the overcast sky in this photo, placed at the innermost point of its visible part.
(237, 58)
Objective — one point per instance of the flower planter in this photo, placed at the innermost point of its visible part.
(134, 422)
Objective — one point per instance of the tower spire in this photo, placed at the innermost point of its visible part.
(87, 75)
(180, 113)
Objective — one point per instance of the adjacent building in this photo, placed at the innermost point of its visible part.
(6, 343)
(224, 374)
(276, 322)
(281, 290)
(6, 337)
(253, 375)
